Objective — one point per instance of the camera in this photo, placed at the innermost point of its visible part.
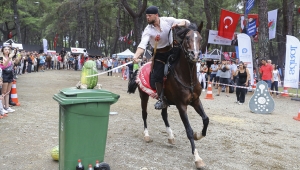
(1, 58)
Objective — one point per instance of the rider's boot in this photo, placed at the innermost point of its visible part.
(161, 103)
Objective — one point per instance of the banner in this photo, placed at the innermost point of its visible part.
(213, 38)
(78, 50)
(292, 60)
(237, 51)
(253, 16)
(55, 41)
(45, 45)
(272, 20)
(227, 24)
(249, 5)
(251, 30)
(245, 52)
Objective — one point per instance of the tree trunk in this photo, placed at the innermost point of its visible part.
(117, 33)
(208, 24)
(135, 17)
(263, 35)
(97, 22)
(17, 21)
(287, 9)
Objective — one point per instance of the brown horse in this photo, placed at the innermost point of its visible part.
(182, 88)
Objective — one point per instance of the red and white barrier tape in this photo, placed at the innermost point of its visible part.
(243, 87)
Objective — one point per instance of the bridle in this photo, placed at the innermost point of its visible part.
(189, 55)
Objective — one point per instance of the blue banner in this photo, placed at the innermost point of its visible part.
(251, 30)
(249, 5)
(237, 51)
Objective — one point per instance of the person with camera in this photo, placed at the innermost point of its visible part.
(6, 64)
(224, 77)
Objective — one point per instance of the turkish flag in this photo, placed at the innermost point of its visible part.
(227, 24)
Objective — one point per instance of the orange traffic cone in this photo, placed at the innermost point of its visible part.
(254, 84)
(285, 92)
(297, 117)
(14, 96)
(209, 91)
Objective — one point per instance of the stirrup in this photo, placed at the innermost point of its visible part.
(160, 104)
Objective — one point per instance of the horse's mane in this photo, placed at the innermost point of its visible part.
(181, 33)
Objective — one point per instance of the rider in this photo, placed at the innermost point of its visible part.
(157, 33)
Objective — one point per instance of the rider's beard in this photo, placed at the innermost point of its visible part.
(151, 22)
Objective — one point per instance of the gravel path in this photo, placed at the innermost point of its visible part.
(236, 138)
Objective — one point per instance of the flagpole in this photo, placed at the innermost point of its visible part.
(252, 42)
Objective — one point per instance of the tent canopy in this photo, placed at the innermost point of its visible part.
(125, 54)
(215, 54)
(13, 44)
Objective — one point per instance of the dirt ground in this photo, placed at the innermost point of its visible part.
(236, 138)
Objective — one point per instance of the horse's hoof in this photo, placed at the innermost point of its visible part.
(199, 164)
(197, 136)
(148, 139)
(171, 141)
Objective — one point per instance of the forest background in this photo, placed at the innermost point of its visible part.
(103, 24)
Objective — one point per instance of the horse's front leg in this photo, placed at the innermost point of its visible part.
(199, 109)
(164, 114)
(189, 131)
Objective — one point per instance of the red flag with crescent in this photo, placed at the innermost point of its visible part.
(227, 24)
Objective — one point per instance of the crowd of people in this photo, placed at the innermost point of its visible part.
(235, 73)
(14, 62)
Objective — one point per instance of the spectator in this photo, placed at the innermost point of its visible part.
(109, 66)
(7, 75)
(224, 77)
(42, 61)
(276, 77)
(62, 55)
(214, 70)
(266, 72)
(202, 76)
(243, 73)
(115, 64)
(218, 76)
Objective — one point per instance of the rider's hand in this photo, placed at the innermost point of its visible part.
(174, 26)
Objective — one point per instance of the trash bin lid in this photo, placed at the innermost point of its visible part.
(70, 96)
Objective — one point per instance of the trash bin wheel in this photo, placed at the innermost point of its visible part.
(104, 166)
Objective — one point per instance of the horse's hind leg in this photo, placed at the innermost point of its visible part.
(164, 114)
(199, 109)
(144, 103)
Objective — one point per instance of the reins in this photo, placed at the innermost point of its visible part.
(191, 70)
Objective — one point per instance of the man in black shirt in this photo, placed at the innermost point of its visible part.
(62, 55)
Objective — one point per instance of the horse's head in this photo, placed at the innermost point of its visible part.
(191, 45)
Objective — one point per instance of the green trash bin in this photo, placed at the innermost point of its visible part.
(83, 123)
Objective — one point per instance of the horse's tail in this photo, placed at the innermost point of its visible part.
(132, 85)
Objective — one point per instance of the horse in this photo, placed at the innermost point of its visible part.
(182, 88)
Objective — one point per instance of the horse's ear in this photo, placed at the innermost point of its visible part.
(200, 27)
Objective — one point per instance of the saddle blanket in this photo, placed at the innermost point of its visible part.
(143, 80)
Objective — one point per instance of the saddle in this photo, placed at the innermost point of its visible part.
(144, 79)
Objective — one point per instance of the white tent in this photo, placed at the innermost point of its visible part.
(125, 54)
(215, 54)
(13, 44)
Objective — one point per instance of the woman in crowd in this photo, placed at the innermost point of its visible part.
(202, 75)
(243, 73)
(7, 75)
(218, 76)
(276, 77)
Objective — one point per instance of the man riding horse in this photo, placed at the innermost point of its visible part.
(158, 32)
